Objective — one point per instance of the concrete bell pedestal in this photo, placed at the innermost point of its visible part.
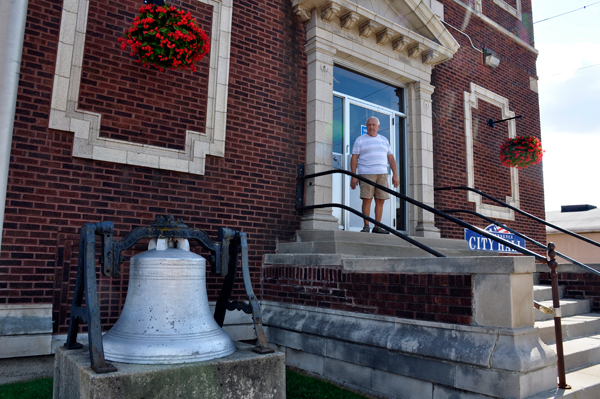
(243, 374)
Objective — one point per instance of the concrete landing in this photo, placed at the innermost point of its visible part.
(243, 374)
(374, 245)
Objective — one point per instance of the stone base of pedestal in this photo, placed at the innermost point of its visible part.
(243, 374)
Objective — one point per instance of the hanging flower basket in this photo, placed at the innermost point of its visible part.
(521, 152)
(166, 38)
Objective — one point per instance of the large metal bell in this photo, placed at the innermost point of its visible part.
(166, 318)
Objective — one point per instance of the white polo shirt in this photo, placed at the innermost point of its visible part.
(372, 154)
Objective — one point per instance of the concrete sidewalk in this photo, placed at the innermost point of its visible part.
(26, 368)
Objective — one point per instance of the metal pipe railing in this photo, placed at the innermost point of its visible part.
(379, 224)
(299, 206)
(552, 264)
(534, 242)
(556, 310)
(537, 219)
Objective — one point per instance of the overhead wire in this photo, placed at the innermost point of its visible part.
(560, 15)
(571, 70)
(565, 13)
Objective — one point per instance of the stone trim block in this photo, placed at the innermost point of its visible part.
(25, 330)
(423, 357)
(87, 141)
(470, 101)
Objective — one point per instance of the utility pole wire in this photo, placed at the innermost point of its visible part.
(568, 12)
(571, 70)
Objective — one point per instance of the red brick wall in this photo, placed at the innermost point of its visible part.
(578, 286)
(138, 104)
(442, 298)
(523, 28)
(510, 80)
(51, 194)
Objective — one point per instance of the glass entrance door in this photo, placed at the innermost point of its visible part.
(349, 122)
(358, 115)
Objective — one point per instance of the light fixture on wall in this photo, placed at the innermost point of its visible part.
(492, 123)
(155, 2)
(490, 58)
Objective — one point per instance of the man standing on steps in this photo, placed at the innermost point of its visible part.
(371, 153)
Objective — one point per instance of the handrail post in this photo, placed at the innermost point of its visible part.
(299, 188)
(553, 264)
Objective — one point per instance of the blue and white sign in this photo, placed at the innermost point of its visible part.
(477, 242)
(363, 129)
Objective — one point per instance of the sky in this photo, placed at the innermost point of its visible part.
(569, 99)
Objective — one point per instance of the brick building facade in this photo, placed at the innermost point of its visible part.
(99, 137)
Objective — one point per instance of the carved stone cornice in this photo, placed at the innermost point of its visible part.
(367, 28)
(384, 36)
(303, 12)
(359, 19)
(416, 50)
(330, 11)
(429, 56)
(348, 20)
(400, 43)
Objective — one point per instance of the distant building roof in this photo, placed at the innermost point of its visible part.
(578, 222)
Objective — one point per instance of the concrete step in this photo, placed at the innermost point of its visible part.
(569, 307)
(366, 249)
(374, 245)
(572, 327)
(581, 352)
(544, 292)
(585, 384)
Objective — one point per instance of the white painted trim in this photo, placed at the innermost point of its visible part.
(87, 143)
(470, 102)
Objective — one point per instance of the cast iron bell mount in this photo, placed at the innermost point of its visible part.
(223, 259)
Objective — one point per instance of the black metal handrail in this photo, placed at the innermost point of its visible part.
(528, 239)
(379, 224)
(551, 262)
(300, 207)
(504, 204)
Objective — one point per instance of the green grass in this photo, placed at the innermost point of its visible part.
(299, 386)
(35, 389)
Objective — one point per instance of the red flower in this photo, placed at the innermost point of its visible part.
(521, 152)
(179, 46)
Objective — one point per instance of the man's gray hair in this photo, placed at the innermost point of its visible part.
(374, 117)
